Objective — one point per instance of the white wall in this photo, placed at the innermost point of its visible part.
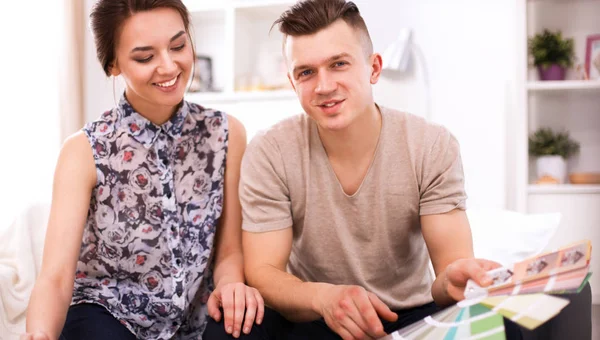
(29, 140)
(469, 55)
(99, 93)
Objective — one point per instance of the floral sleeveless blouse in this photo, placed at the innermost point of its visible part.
(148, 241)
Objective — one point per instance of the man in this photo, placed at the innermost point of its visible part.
(353, 199)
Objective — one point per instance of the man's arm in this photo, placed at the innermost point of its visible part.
(265, 258)
(350, 311)
(450, 245)
(444, 223)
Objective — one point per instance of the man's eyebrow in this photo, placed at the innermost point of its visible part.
(149, 48)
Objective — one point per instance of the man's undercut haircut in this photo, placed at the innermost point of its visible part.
(310, 16)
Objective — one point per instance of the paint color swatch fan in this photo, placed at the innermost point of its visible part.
(518, 293)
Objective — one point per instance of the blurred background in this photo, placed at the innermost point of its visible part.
(481, 68)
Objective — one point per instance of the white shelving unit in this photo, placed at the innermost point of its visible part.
(571, 189)
(248, 70)
(567, 85)
(224, 97)
(572, 105)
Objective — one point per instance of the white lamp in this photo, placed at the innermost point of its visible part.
(397, 55)
(396, 58)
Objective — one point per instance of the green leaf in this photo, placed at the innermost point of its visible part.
(544, 142)
(549, 48)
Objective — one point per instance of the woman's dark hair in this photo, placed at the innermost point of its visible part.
(108, 16)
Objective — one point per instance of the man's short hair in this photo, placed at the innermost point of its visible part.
(310, 16)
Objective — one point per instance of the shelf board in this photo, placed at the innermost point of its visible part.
(197, 6)
(213, 97)
(561, 1)
(566, 85)
(204, 6)
(262, 3)
(564, 189)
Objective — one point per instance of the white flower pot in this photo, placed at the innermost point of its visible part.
(554, 166)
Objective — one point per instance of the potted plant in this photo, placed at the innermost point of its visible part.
(552, 149)
(552, 54)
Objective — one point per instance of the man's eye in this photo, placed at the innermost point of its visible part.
(305, 73)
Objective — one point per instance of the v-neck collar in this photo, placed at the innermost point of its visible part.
(321, 149)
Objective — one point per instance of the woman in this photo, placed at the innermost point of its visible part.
(144, 236)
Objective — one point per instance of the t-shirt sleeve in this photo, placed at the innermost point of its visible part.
(442, 187)
(263, 190)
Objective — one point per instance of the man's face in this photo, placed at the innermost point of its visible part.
(332, 74)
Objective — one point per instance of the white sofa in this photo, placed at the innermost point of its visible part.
(503, 236)
(21, 247)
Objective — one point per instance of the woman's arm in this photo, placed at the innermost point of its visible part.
(231, 293)
(229, 266)
(74, 180)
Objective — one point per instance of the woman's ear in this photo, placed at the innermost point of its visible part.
(114, 69)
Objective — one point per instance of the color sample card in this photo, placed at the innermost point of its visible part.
(473, 322)
(529, 311)
(517, 293)
(573, 257)
(541, 273)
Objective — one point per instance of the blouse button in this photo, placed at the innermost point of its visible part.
(173, 229)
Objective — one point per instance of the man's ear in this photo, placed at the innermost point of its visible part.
(291, 82)
(376, 67)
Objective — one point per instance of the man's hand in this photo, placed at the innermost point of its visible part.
(460, 271)
(236, 299)
(352, 312)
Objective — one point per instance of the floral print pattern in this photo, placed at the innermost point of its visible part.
(148, 241)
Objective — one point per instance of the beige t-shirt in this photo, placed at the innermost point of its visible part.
(372, 238)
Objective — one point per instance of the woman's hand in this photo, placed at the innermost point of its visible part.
(35, 336)
(236, 299)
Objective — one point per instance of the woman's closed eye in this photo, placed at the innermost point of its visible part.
(178, 48)
(143, 60)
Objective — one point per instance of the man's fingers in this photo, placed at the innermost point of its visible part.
(488, 265)
(370, 321)
(351, 317)
(353, 330)
(461, 271)
(344, 333)
(382, 310)
(474, 271)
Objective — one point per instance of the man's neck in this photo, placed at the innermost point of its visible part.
(357, 140)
